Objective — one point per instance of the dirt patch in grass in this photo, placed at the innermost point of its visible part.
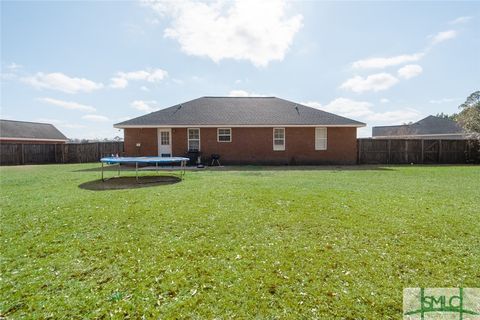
(129, 183)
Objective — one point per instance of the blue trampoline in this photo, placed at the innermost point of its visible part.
(144, 160)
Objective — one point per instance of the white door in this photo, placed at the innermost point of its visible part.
(164, 142)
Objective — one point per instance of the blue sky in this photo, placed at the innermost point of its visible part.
(86, 65)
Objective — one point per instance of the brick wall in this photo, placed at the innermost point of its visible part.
(147, 137)
(254, 145)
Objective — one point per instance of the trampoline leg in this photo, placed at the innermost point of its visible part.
(136, 171)
(102, 173)
(156, 167)
(118, 170)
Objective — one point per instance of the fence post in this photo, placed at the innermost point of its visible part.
(389, 144)
(406, 151)
(439, 151)
(23, 153)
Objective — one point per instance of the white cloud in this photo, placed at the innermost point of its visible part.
(345, 107)
(14, 66)
(243, 93)
(409, 71)
(380, 63)
(394, 117)
(364, 111)
(384, 100)
(61, 82)
(384, 62)
(443, 100)
(257, 31)
(119, 83)
(443, 36)
(69, 105)
(95, 118)
(144, 106)
(375, 82)
(143, 88)
(460, 20)
(121, 79)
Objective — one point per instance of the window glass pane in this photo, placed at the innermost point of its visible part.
(321, 132)
(194, 145)
(193, 133)
(279, 133)
(224, 138)
(278, 142)
(321, 144)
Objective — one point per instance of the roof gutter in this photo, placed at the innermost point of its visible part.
(419, 135)
(32, 139)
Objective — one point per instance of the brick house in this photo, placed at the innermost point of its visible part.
(244, 130)
(12, 131)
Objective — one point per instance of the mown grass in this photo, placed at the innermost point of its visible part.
(327, 244)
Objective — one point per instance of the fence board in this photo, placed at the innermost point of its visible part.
(19, 153)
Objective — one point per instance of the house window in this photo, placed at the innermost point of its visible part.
(224, 135)
(320, 138)
(278, 139)
(193, 139)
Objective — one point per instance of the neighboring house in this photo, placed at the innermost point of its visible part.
(259, 130)
(12, 131)
(430, 127)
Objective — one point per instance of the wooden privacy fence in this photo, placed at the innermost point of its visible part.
(401, 151)
(24, 153)
(370, 151)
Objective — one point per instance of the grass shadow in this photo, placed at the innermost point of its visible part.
(374, 167)
(301, 168)
(122, 183)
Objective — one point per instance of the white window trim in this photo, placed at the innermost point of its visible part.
(218, 134)
(326, 139)
(199, 138)
(276, 147)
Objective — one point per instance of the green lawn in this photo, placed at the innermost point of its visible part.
(270, 244)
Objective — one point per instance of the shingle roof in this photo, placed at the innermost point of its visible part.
(239, 111)
(430, 125)
(29, 130)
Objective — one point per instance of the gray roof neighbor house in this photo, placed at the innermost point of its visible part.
(11, 130)
(239, 111)
(430, 127)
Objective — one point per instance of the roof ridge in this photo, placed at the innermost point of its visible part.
(239, 97)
